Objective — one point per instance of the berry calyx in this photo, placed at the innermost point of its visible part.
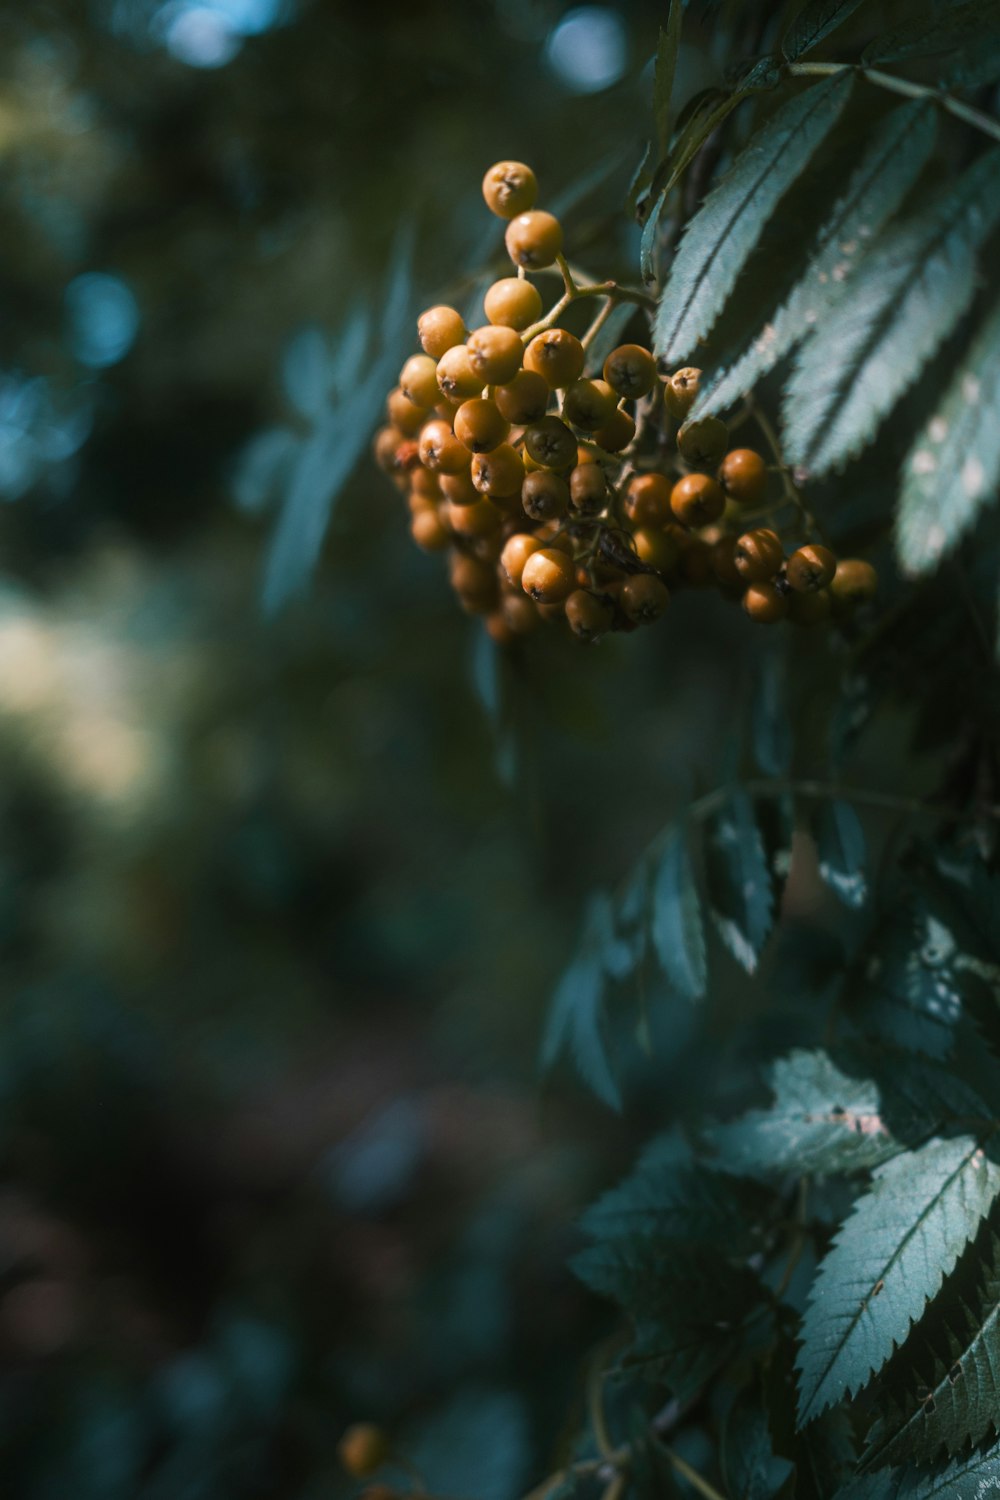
(630, 370)
(550, 442)
(557, 355)
(810, 568)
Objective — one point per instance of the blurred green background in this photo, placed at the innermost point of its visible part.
(289, 860)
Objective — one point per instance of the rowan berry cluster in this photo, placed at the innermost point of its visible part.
(566, 488)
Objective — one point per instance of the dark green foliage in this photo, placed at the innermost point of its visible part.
(813, 23)
(875, 336)
(890, 1257)
(739, 882)
(676, 924)
(941, 1391)
(952, 469)
(721, 236)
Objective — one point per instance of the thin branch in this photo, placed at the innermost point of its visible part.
(977, 118)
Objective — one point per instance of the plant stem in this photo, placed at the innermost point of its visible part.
(792, 494)
(961, 111)
(693, 1477)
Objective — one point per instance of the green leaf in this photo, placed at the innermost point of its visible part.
(840, 845)
(944, 1383)
(813, 23)
(576, 1013)
(677, 931)
(683, 1201)
(750, 1467)
(721, 236)
(971, 1478)
(952, 469)
(877, 334)
(739, 881)
(891, 165)
(932, 33)
(822, 1120)
(663, 76)
(910, 990)
(688, 1304)
(890, 1257)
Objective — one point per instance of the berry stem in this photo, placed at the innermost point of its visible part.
(598, 323)
(977, 118)
(574, 292)
(792, 494)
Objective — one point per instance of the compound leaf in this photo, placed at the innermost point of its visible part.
(677, 930)
(723, 233)
(889, 1258)
(876, 336)
(887, 171)
(952, 469)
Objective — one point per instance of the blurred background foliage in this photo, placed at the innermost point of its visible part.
(280, 905)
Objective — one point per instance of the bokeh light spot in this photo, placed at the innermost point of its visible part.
(587, 50)
(103, 318)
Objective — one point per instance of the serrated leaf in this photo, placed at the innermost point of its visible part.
(951, 471)
(932, 33)
(688, 1304)
(682, 1201)
(576, 1012)
(876, 336)
(909, 991)
(840, 847)
(976, 66)
(889, 168)
(822, 1120)
(813, 23)
(971, 1478)
(663, 74)
(944, 1384)
(723, 233)
(739, 881)
(676, 925)
(890, 1257)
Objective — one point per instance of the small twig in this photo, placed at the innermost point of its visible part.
(961, 111)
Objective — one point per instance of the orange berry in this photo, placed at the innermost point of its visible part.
(743, 476)
(363, 1449)
(657, 549)
(548, 576)
(405, 414)
(428, 530)
(557, 355)
(702, 443)
(513, 302)
(544, 495)
(510, 188)
(516, 551)
(854, 582)
(440, 449)
(495, 353)
(524, 398)
(588, 616)
(647, 499)
(764, 603)
(588, 490)
(550, 442)
(480, 425)
(617, 432)
(498, 473)
(386, 446)
(418, 380)
(758, 555)
(456, 378)
(440, 329)
(644, 597)
(810, 568)
(697, 500)
(630, 370)
(476, 520)
(680, 391)
(534, 240)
